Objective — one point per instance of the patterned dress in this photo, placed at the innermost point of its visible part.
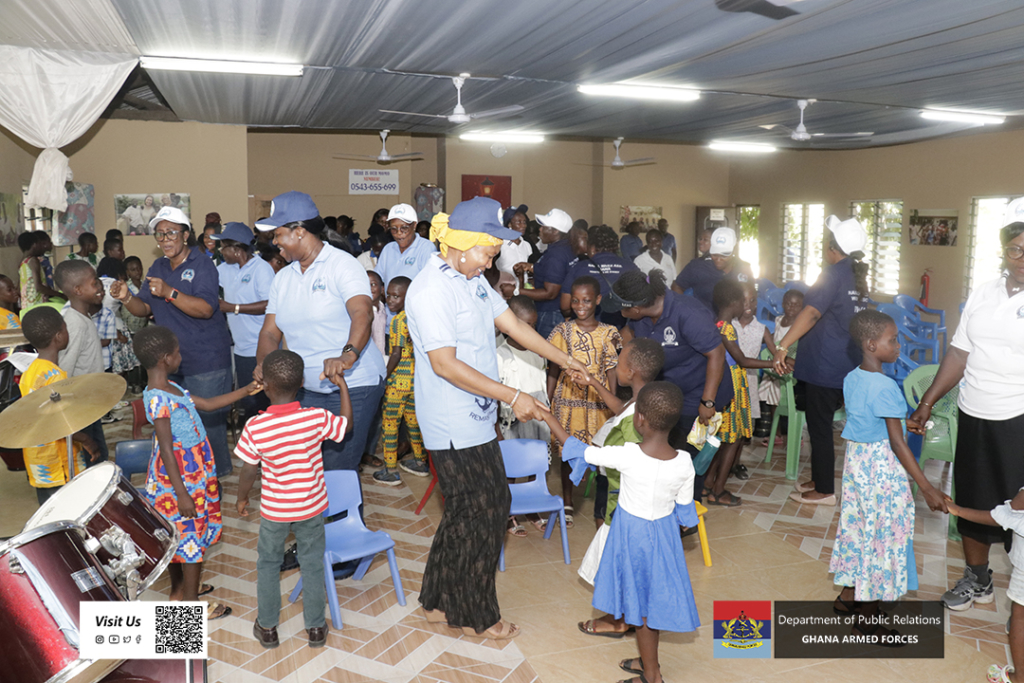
(47, 464)
(399, 397)
(9, 320)
(736, 423)
(30, 296)
(198, 472)
(579, 409)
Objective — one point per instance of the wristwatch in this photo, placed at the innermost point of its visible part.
(709, 403)
(237, 308)
(352, 348)
(172, 296)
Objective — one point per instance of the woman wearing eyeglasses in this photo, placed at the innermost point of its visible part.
(986, 358)
(409, 252)
(180, 292)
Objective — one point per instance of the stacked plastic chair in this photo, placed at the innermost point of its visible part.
(909, 303)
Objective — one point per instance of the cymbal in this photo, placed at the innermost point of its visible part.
(59, 409)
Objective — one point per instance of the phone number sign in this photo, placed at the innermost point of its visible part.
(362, 181)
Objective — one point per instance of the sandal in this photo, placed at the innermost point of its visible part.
(507, 631)
(999, 674)
(729, 501)
(740, 472)
(541, 523)
(217, 610)
(847, 607)
(205, 589)
(568, 510)
(624, 665)
(587, 627)
(372, 461)
(515, 528)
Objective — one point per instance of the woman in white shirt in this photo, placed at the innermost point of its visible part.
(654, 257)
(986, 358)
(517, 250)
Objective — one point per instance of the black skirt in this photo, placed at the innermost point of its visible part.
(988, 470)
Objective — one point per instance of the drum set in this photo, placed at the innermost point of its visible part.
(95, 539)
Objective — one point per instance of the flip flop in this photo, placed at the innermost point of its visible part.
(624, 666)
(740, 472)
(541, 523)
(587, 627)
(205, 589)
(212, 613)
(507, 632)
(733, 501)
(516, 529)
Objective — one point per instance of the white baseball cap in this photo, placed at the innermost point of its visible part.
(555, 218)
(172, 214)
(723, 242)
(1014, 211)
(850, 234)
(404, 213)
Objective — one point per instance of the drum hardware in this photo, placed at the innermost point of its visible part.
(124, 569)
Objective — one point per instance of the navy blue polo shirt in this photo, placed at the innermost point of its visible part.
(553, 266)
(631, 246)
(204, 342)
(827, 352)
(686, 331)
(701, 275)
(605, 264)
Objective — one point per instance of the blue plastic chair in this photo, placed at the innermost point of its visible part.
(911, 304)
(529, 458)
(901, 369)
(349, 539)
(133, 456)
(797, 284)
(764, 285)
(775, 298)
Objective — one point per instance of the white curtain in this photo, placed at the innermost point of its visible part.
(49, 98)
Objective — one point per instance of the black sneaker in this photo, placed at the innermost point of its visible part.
(291, 558)
(419, 468)
(967, 591)
(388, 477)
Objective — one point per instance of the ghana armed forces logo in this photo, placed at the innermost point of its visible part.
(743, 629)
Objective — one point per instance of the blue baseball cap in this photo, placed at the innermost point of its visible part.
(286, 208)
(239, 232)
(481, 214)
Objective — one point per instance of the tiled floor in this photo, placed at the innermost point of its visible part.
(769, 548)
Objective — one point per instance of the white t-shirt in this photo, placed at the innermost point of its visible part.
(650, 488)
(991, 330)
(511, 254)
(646, 263)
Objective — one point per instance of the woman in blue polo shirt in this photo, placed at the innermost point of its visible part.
(181, 294)
(827, 351)
(245, 282)
(320, 305)
(452, 316)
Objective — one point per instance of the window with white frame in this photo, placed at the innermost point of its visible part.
(984, 252)
(801, 257)
(883, 221)
(749, 219)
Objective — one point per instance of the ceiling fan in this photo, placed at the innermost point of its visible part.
(800, 133)
(617, 162)
(383, 157)
(459, 114)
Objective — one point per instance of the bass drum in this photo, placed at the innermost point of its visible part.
(159, 671)
(45, 574)
(107, 504)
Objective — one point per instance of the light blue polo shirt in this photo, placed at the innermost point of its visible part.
(310, 309)
(245, 285)
(446, 309)
(391, 263)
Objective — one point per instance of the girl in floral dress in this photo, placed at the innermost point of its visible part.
(579, 408)
(873, 555)
(181, 481)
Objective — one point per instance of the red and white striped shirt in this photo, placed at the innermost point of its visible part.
(286, 439)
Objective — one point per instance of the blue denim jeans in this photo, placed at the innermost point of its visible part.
(250, 405)
(208, 385)
(309, 535)
(365, 401)
(547, 321)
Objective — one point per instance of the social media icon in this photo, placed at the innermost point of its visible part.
(99, 640)
(138, 639)
(114, 640)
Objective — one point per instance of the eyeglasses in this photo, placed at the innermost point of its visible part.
(401, 229)
(1013, 252)
(164, 236)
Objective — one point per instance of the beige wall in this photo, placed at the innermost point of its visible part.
(941, 174)
(279, 162)
(127, 157)
(16, 161)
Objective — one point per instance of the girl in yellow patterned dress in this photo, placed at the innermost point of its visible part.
(579, 409)
(728, 300)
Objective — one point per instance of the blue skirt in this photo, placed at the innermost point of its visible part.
(643, 575)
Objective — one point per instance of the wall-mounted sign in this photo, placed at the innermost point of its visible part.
(372, 181)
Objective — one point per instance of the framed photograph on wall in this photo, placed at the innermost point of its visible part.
(134, 211)
(933, 227)
(648, 216)
(498, 187)
(79, 216)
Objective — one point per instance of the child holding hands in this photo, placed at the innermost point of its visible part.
(642, 576)
(873, 557)
(182, 478)
(286, 440)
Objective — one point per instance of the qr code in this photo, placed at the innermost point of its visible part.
(179, 629)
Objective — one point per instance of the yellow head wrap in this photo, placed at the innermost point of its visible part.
(462, 240)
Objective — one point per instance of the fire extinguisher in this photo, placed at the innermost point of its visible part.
(926, 282)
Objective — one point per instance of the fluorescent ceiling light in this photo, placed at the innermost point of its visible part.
(961, 117)
(725, 146)
(503, 137)
(221, 66)
(641, 92)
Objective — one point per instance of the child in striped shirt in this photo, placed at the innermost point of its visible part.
(286, 440)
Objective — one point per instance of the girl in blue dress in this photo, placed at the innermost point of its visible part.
(181, 481)
(642, 577)
(873, 555)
